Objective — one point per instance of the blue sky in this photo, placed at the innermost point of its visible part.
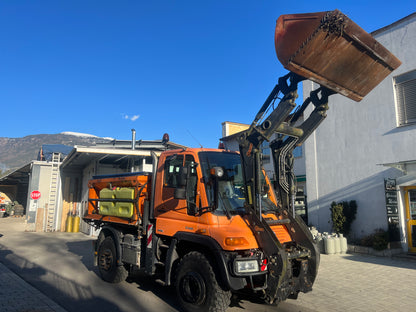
(181, 67)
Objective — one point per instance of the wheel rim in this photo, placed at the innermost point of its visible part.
(106, 260)
(192, 288)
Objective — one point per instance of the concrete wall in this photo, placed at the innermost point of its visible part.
(39, 180)
(87, 174)
(344, 155)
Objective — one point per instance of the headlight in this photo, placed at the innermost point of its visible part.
(246, 266)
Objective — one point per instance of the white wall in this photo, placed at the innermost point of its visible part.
(344, 154)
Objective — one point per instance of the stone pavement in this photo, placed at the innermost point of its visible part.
(354, 282)
(16, 295)
(59, 265)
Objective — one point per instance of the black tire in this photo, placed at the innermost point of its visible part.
(109, 270)
(197, 287)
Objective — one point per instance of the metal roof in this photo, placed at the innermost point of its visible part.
(117, 153)
(19, 176)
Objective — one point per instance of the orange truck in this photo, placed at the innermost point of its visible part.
(209, 221)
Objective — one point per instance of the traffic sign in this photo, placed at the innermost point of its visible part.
(35, 195)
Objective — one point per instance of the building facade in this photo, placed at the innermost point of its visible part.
(366, 151)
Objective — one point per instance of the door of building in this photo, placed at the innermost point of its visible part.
(410, 202)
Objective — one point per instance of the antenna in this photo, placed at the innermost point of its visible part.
(194, 138)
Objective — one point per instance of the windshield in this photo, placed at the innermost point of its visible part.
(231, 194)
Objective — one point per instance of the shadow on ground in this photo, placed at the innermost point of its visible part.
(394, 262)
(75, 297)
(60, 291)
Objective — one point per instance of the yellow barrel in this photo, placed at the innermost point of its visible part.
(69, 223)
(107, 208)
(75, 227)
(124, 209)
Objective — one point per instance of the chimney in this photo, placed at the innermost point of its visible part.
(133, 139)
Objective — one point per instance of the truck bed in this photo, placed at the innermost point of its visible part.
(117, 198)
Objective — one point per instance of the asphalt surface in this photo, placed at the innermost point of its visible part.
(54, 272)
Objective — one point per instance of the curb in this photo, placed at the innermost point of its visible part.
(370, 251)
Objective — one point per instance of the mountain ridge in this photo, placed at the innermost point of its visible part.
(17, 152)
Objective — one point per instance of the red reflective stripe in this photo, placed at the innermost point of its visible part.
(149, 235)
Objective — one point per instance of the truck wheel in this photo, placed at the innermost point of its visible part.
(110, 271)
(197, 287)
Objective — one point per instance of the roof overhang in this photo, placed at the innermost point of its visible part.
(80, 157)
(402, 166)
(408, 168)
(18, 176)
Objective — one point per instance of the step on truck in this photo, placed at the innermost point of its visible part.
(208, 221)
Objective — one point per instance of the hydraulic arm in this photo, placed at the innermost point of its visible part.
(280, 120)
(330, 49)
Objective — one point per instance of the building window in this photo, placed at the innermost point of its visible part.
(405, 88)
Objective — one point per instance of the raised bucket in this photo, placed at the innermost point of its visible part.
(330, 49)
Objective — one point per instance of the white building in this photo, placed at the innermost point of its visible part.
(362, 146)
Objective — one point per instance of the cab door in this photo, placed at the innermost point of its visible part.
(168, 181)
(173, 214)
(410, 203)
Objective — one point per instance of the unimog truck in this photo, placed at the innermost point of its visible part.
(209, 221)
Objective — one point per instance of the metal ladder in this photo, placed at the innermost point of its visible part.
(53, 193)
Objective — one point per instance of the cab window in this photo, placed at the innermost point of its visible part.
(173, 166)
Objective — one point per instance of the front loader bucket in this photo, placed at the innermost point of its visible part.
(330, 49)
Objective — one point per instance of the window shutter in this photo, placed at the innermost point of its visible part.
(406, 100)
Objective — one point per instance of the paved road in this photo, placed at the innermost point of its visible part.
(56, 272)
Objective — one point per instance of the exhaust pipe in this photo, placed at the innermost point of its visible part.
(133, 139)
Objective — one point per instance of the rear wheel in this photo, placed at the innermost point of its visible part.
(197, 287)
(109, 270)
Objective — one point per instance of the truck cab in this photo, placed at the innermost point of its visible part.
(209, 199)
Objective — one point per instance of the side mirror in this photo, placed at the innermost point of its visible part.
(217, 173)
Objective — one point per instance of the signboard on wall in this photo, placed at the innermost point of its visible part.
(33, 205)
(392, 208)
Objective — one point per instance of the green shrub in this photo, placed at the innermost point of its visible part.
(337, 216)
(350, 210)
(342, 216)
(379, 240)
(367, 241)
